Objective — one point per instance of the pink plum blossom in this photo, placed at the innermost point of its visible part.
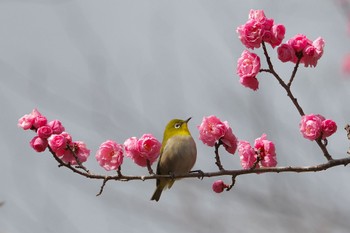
(56, 126)
(251, 34)
(278, 32)
(259, 28)
(247, 155)
(229, 140)
(110, 155)
(143, 149)
(211, 130)
(266, 151)
(38, 144)
(299, 42)
(219, 186)
(80, 150)
(311, 126)
(250, 82)
(248, 66)
(58, 143)
(286, 53)
(27, 121)
(44, 132)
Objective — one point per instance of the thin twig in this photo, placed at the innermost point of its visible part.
(150, 170)
(80, 165)
(292, 98)
(217, 156)
(299, 56)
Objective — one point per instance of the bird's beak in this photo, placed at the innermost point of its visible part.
(188, 120)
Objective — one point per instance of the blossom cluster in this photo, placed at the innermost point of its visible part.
(110, 154)
(52, 134)
(300, 47)
(262, 154)
(213, 130)
(260, 29)
(316, 126)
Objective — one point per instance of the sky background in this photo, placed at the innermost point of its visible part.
(114, 69)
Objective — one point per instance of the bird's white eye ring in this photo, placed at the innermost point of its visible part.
(177, 125)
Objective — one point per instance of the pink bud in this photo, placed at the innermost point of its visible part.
(56, 126)
(44, 131)
(110, 155)
(38, 144)
(219, 186)
(329, 127)
(58, 144)
(286, 53)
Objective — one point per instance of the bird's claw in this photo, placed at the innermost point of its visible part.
(199, 172)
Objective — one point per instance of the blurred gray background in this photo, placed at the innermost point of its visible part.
(114, 69)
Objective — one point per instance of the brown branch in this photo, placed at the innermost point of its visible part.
(223, 172)
(291, 96)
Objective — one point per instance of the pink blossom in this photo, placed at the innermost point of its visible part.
(39, 121)
(27, 121)
(80, 150)
(44, 131)
(38, 144)
(248, 66)
(247, 155)
(251, 34)
(258, 15)
(56, 126)
(286, 53)
(219, 186)
(311, 126)
(211, 130)
(329, 127)
(58, 144)
(319, 44)
(143, 149)
(229, 140)
(110, 155)
(149, 147)
(278, 32)
(266, 151)
(250, 82)
(299, 42)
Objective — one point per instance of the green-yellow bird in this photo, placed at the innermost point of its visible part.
(177, 155)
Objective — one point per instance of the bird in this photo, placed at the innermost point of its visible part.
(178, 154)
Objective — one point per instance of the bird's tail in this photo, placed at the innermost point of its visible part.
(157, 193)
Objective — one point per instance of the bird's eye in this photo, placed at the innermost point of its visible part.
(177, 125)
